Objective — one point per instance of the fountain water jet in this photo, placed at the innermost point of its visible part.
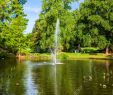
(56, 42)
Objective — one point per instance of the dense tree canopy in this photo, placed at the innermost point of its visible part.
(43, 32)
(91, 25)
(94, 23)
(12, 24)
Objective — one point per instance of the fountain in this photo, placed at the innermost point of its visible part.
(56, 42)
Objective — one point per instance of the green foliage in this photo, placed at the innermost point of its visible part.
(63, 56)
(12, 25)
(25, 46)
(89, 49)
(3, 55)
(22, 1)
(91, 25)
(94, 24)
(43, 32)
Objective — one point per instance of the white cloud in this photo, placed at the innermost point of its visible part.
(32, 10)
(81, 1)
(32, 15)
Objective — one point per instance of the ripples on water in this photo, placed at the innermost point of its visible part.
(79, 77)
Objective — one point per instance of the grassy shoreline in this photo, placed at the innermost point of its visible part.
(67, 56)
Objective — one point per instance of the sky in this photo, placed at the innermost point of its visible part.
(32, 9)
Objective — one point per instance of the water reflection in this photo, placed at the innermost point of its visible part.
(102, 80)
(11, 78)
(31, 89)
(80, 77)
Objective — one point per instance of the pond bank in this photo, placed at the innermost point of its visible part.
(66, 56)
(4, 55)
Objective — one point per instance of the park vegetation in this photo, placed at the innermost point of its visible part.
(88, 28)
(90, 25)
(12, 25)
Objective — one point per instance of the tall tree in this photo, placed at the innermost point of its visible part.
(94, 23)
(12, 24)
(43, 32)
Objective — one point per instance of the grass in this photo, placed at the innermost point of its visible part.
(39, 56)
(84, 55)
(68, 56)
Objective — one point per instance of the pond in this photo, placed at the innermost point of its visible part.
(73, 77)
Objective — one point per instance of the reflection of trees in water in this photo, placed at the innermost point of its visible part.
(75, 78)
(11, 75)
(102, 79)
(65, 79)
(44, 79)
(69, 78)
(6, 72)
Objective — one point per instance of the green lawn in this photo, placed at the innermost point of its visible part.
(69, 56)
(82, 56)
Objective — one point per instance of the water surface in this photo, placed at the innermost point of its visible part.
(79, 77)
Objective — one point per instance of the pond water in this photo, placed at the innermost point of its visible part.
(78, 77)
